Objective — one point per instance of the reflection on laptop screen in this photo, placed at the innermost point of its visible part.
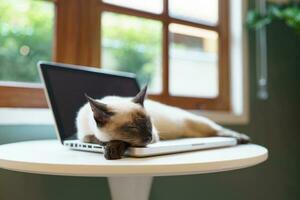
(66, 88)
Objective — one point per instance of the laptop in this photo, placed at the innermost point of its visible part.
(65, 86)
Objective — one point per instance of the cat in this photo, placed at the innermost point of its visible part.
(119, 122)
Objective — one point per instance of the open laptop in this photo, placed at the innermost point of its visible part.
(65, 86)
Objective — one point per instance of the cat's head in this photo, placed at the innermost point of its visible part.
(123, 119)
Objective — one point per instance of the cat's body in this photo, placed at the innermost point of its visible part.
(173, 123)
(138, 122)
(119, 122)
(168, 122)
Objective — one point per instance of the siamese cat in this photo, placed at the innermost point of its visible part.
(118, 122)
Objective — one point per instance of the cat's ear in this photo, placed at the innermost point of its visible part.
(140, 97)
(100, 111)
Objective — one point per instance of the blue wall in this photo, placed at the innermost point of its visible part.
(275, 123)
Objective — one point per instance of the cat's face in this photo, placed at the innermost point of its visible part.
(124, 119)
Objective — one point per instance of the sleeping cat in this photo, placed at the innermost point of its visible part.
(119, 122)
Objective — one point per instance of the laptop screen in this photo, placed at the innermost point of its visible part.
(66, 86)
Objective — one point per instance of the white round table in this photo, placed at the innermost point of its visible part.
(128, 178)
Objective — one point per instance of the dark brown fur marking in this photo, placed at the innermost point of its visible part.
(100, 111)
(138, 129)
(112, 150)
(92, 139)
(115, 149)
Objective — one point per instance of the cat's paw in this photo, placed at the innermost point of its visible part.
(243, 139)
(240, 137)
(91, 139)
(115, 149)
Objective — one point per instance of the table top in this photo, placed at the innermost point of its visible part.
(50, 157)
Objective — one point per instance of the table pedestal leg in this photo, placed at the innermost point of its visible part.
(130, 188)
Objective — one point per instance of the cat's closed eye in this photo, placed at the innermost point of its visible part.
(132, 127)
(110, 113)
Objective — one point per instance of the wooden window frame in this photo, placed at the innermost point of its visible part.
(77, 40)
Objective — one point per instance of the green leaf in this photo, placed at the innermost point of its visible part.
(289, 14)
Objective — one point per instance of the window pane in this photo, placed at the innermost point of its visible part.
(193, 62)
(195, 10)
(25, 38)
(133, 44)
(153, 6)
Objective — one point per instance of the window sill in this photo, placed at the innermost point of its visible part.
(25, 116)
(21, 116)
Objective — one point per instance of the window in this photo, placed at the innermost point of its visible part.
(193, 60)
(182, 52)
(133, 44)
(25, 37)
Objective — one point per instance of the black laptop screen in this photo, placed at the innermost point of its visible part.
(67, 85)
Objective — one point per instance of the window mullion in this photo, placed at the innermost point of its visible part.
(224, 94)
(165, 49)
(165, 58)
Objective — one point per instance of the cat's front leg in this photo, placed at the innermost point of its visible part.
(91, 139)
(112, 150)
(115, 149)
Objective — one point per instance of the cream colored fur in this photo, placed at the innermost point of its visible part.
(168, 122)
